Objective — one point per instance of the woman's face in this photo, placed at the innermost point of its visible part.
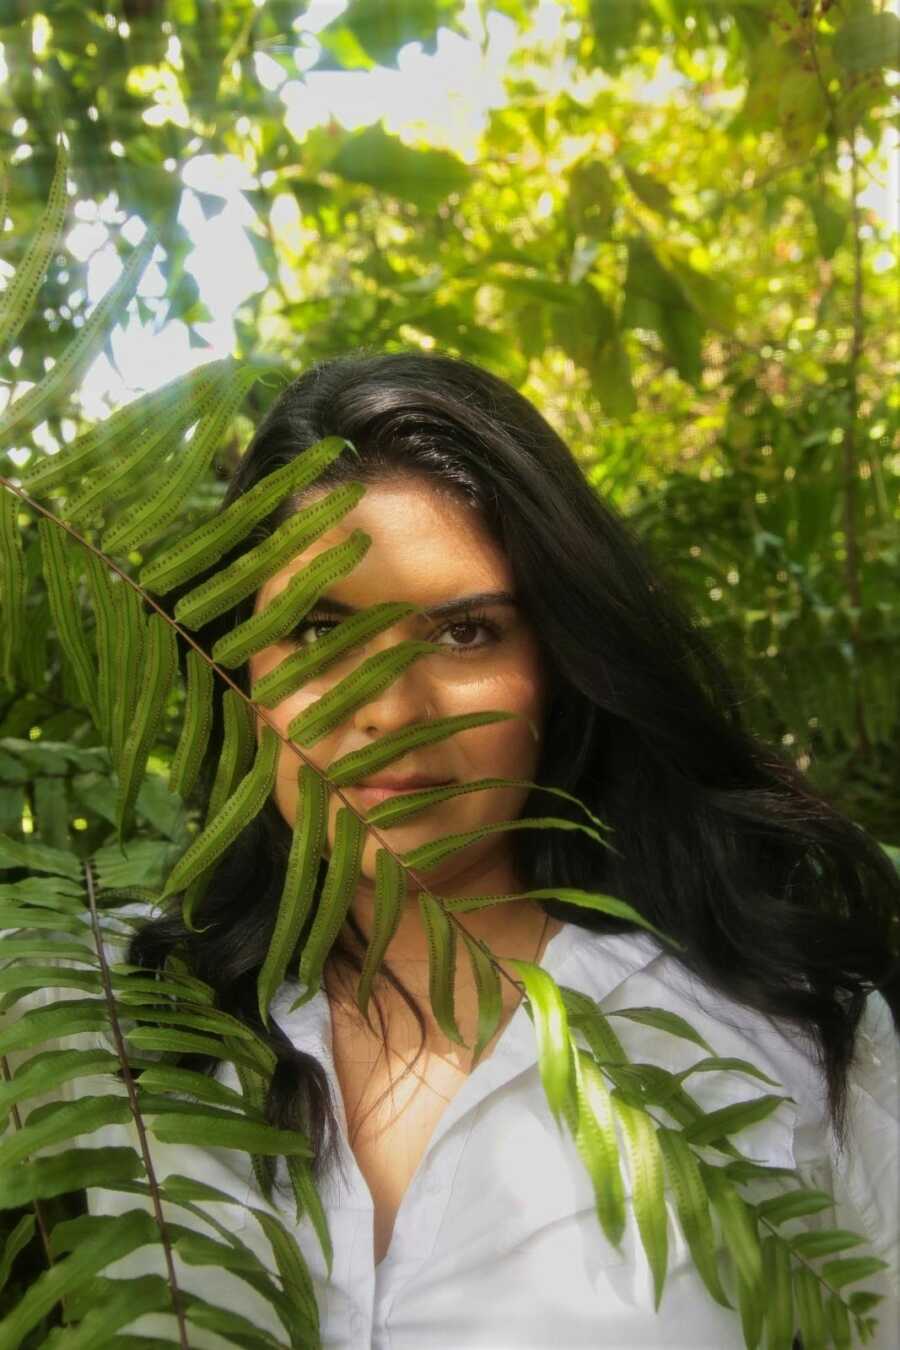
(429, 548)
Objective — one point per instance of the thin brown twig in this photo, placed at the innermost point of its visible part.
(131, 1089)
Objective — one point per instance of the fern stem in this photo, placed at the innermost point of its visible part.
(153, 1184)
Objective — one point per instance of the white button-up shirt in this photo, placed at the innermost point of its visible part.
(496, 1243)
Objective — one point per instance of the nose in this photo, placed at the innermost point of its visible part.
(404, 701)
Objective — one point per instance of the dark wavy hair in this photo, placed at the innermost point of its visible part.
(778, 900)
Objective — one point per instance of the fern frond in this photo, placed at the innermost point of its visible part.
(247, 573)
(487, 988)
(337, 895)
(206, 544)
(441, 935)
(349, 769)
(12, 586)
(59, 381)
(390, 897)
(175, 408)
(160, 666)
(293, 672)
(149, 518)
(97, 448)
(368, 679)
(195, 727)
(55, 562)
(20, 296)
(289, 606)
(240, 808)
(297, 897)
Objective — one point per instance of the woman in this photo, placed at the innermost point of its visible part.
(460, 1215)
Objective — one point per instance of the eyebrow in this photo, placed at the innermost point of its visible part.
(436, 611)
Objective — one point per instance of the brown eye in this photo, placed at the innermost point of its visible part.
(460, 629)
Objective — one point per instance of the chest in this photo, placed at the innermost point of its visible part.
(392, 1109)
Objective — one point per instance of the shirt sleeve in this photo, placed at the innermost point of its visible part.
(865, 1171)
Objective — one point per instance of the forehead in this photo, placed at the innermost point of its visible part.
(427, 545)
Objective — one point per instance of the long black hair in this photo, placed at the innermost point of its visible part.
(779, 901)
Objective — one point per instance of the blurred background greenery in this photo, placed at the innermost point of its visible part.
(671, 224)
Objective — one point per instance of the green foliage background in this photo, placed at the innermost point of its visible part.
(689, 289)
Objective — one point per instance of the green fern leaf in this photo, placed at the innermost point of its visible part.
(100, 446)
(310, 824)
(69, 1120)
(752, 1311)
(22, 976)
(648, 1191)
(244, 804)
(337, 896)
(118, 1304)
(664, 1021)
(71, 1170)
(848, 1269)
(555, 1053)
(129, 639)
(441, 935)
(175, 415)
(738, 1224)
(289, 606)
(586, 1016)
(39, 858)
(429, 855)
(39, 1025)
(693, 1209)
(248, 572)
(228, 1132)
(199, 1249)
(810, 1313)
(20, 296)
(207, 543)
(163, 1039)
(12, 586)
(838, 1322)
(390, 898)
(167, 1078)
(490, 999)
(716, 1063)
(401, 807)
(231, 1326)
(115, 1238)
(794, 1205)
(349, 769)
(731, 1119)
(235, 758)
(292, 1268)
(148, 519)
(309, 1203)
(294, 671)
(23, 1232)
(603, 904)
(65, 611)
(356, 689)
(103, 600)
(779, 1294)
(597, 1142)
(824, 1242)
(160, 659)
(62, 378)
(195, 727)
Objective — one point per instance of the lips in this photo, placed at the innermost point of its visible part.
(406, 784)
(375, 790)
